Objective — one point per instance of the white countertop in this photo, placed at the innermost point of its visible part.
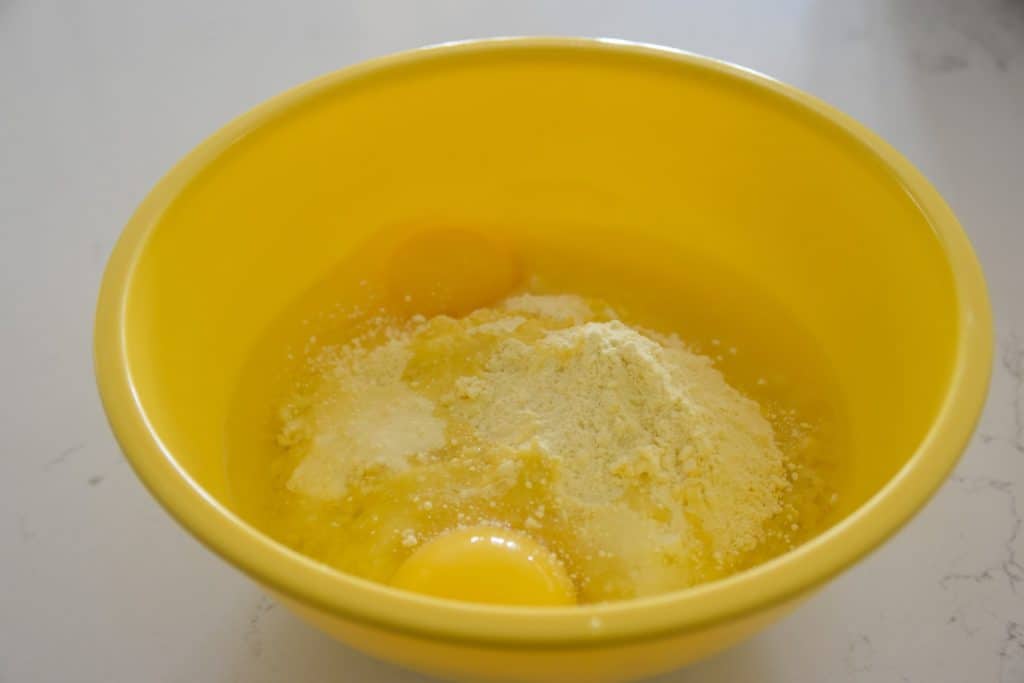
(98, 99)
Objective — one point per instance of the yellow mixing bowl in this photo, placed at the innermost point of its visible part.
(725, 165)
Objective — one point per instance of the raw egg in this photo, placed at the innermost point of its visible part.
(487, 564)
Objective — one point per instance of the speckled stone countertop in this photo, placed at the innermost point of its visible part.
(98, 99)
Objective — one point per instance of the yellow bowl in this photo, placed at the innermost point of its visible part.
(719, 162)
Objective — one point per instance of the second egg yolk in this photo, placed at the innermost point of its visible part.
(489, 565)
(451, 272)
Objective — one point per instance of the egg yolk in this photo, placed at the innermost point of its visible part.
(487, 564)
(451, 272)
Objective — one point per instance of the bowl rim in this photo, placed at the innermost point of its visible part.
(782, 579)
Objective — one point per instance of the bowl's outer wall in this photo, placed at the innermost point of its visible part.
(482, 664)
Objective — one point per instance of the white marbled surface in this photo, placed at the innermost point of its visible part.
(98, 99)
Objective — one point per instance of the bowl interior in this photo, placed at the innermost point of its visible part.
(652, 163)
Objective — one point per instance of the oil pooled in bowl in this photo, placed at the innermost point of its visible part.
(435, 290)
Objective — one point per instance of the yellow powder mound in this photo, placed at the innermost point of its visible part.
(620, 450)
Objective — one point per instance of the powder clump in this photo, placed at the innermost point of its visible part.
(623, 451)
